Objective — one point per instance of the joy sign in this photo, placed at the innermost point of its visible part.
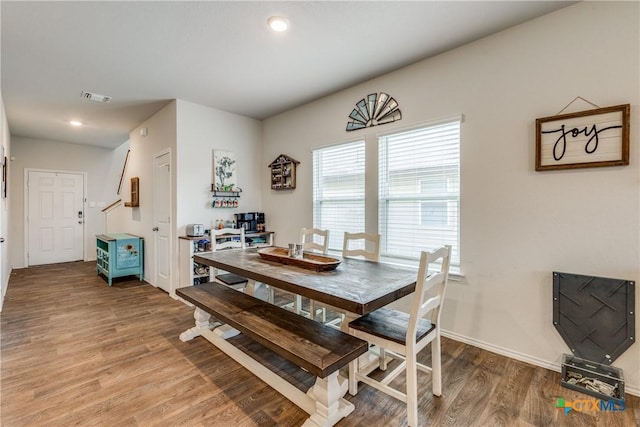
(585, 139)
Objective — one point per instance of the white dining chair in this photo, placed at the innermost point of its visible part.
(355, 245)
(314, 240)
(405, 335)
(225, 239)
(363, 245)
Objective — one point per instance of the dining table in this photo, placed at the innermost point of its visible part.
(355, 287)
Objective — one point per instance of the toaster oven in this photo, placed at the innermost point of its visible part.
(195, 230)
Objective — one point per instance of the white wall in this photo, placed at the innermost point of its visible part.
(200, 131)
(102, 184)
(517, 225)
(191, 131)
(161, 135)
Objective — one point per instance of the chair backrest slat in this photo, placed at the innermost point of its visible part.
(308, 241)
(430, 289)
(429, 305)
(236, 239)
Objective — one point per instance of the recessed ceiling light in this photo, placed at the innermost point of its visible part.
(278, 24)
(75, 123)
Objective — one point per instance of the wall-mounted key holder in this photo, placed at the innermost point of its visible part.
(225, 199)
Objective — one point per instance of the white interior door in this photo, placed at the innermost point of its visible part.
(55, 217)
(162, 228)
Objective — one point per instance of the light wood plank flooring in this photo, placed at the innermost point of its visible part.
(77, 352)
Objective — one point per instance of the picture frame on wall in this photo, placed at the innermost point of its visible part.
(592, 138)
(224, 170)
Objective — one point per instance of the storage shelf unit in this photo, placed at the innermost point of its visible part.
(119, 255)
(193, 273)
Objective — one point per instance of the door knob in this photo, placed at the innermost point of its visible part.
(154, 229)
(1, 239)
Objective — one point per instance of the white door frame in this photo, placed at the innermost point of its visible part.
(25, 210)
(155, 222)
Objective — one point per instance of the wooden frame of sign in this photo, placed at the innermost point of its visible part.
(585, 139)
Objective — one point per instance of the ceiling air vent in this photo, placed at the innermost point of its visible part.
(95, 97)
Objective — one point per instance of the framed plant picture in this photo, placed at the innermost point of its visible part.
(224, 170)
(585, 139)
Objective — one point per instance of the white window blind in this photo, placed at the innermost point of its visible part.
(338, 190)
(419, 191)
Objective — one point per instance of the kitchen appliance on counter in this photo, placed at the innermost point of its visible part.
(251, 221)
(195, 230)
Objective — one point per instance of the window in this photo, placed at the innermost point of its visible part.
(419, 190)
(338, 190)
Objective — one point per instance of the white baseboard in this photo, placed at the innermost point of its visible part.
(552, 366)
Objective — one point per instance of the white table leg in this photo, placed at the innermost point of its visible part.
(250, 289)
(348, 317)
(330, 406)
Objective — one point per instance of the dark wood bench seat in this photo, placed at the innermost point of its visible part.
(318, 348)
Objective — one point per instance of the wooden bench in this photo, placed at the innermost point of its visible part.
(313, 346)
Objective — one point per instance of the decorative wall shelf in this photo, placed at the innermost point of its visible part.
(135, 193)
(225, 189)
(283, 173)
(226, 193)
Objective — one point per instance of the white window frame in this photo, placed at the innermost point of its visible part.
(342, 220)
(438, 235)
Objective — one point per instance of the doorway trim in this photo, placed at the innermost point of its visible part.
(25, 210)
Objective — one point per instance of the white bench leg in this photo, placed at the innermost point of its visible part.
(330, 406)
(202, 323)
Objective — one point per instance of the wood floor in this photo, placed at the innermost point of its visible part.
(77, 352)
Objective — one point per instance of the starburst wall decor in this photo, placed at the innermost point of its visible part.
(375, 109)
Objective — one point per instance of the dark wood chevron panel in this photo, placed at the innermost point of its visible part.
(75, 351)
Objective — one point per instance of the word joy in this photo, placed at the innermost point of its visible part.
(560, 146)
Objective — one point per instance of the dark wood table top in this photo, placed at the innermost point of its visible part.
(356, 286)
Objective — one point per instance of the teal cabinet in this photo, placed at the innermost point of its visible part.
(119, 255)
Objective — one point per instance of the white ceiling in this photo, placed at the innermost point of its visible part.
(219, 54)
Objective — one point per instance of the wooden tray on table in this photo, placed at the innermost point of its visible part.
(310, 261)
